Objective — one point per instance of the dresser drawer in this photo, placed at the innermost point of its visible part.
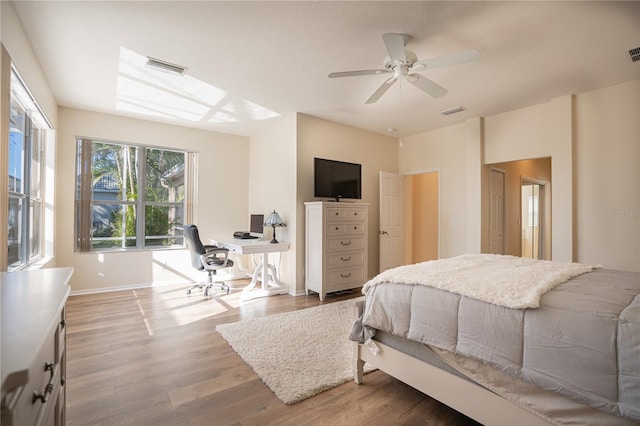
(345, 228)
(337, 279)
(345, 260)
(340, 214)
(36, 398)
(345, 243)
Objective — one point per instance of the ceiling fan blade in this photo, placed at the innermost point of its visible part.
(380, 90)
(395, 47)
(451, 59)
(427, 85)
(357, 73)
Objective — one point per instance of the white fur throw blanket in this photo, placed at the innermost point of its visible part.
(513, 282)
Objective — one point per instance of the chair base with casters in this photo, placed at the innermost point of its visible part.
(206, 258)
(210, 283)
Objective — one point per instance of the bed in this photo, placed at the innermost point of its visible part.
(507, 340)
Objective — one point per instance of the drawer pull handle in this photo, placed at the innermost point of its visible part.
(355, 227)
(337, 214)
(42, 397)
(345, 259)
(348, 243)
(345, 275)
(337, 228)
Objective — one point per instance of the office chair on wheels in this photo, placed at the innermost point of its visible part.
(206, 258)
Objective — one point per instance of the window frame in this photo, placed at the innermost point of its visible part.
(30, 232)
(84, 199)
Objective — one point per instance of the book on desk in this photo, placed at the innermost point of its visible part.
(242, 235)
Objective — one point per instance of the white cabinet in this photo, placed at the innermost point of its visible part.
(33, 361)
(335, 246)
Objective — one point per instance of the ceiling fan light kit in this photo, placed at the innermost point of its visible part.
(404, 64)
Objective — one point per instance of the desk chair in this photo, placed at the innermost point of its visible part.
(206, 258)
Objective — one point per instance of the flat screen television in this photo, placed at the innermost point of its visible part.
(337, 179)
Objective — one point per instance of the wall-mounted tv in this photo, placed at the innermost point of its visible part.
(337, 179)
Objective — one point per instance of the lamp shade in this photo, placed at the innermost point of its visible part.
(274, 219)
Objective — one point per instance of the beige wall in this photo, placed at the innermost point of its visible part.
(444, 150)
(593, 140)
(607, 170)
(327, 139)
(540, 131)
(21, 55)
(272, 186)
(222, 200)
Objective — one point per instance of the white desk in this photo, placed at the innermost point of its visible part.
(270, 283)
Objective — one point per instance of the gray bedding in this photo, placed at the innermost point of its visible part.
(582, 342)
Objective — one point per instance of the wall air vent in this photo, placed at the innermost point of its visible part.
(452, 110)
(635, 54)
(165, 66)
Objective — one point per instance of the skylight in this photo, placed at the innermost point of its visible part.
(157, 93)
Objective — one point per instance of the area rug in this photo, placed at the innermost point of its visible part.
(297, 354)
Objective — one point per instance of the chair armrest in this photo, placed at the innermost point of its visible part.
(215, 256)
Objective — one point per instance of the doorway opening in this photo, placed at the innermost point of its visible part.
(531, 220)
(422, 217)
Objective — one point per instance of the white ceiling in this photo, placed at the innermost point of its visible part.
(254, 60)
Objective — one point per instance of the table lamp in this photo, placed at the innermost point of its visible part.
(274, 220)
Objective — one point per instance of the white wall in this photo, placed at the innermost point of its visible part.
(327, 139)
(607, 170)
(272, 186)
(222, 199)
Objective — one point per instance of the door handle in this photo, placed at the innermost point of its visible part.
(383, 233)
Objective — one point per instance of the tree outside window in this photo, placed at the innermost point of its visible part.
(129, 197)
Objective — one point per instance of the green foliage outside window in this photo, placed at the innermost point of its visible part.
(118, 201)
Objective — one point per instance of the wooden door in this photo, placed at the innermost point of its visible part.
(496, 192)
(391, 232)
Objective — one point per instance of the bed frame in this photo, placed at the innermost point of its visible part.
(466, 397)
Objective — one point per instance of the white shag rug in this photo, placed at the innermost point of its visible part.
(297, 354)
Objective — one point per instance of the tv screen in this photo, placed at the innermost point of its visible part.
(337, 179)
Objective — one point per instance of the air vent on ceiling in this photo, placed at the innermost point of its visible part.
(635, 54)
(452, 110)
(166, 66)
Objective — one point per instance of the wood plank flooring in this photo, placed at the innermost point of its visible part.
(153, 357)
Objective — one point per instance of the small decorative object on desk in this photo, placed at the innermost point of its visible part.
(274, 220)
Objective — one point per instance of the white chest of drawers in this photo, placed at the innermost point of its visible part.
(34, 347)
(335, 246)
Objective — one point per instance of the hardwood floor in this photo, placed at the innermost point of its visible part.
(153, 357)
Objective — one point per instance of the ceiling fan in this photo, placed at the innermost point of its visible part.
(404, 63)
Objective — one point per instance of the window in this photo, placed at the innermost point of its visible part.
(27, 131)
(130, 196)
